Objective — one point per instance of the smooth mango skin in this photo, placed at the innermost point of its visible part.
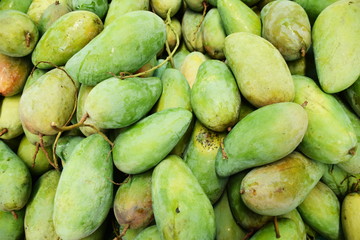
(12, 228)
(39, 211)
(157, 135)
(350, 215)
(15, 180)
(246, 218)
(314, 8)
(9, 117)
(121, 54)
(35, 139)
(84, 198)
(238, 17)
(161, 7)
(33, 77)
(280, 187)
(336, 43)
(321, 210)
(68, 35)
(160, 71)
(253, 61)
(170, 35)
(192, 30)
(297, 67)
(352, 95)
(181, 207)
(65, 146)
(245, 109)
(296, 217)
(38, 7)
(51, 14)
(20, 5)
(287, 229)
(180, 56)
(18, 34)
(196, 5)
(50, 99)
(190, 66)
(226, 227)
(330, 137)
(287, 27)
(133, 203)
(99, 7)
(215, 97)
(200, 157)
(149, 233)
(251, 142)
(109, 109)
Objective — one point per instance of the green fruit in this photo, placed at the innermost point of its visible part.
(150, 233)
(38, 7)
(65, 146)
(99, 7)
(159, 72)
(20, 5)
(180, 56)
(33, 77)
(192, 30)
(190, 66)
(314, 8)
(297, 67)
(171, 38)
(295, 216)
(51, 14)
(353, 96)
(10, 124)
(162, 7)
(287, 229)
(350, 216)
(12, 228)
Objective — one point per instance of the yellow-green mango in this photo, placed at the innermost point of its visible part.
(130, 234)
(12, 228)
(296, 217)
(280, 187)
(321, 211)
(192, 30)
(98, 7)
(352, 95)
(15, 180)
(9, 117)
(65, 146)
(297, 67)
(175, 25)
(85, 192)
(181, 207)
(162, 7)
(157, 135)
(39, 211)
(51, 14)
(38, 7)
(190, 66)
(35, 138)
(238, 17)
(336, 45)
(196, 5)
(120, 54)
(260, 71)
(149, 233)
(180, 56)
(20, 5)
(251, 142)
(215, 97)
(350, 216)
(287, 229)
(330, 137)
(33, 77)
(160, 71)
(314, 8)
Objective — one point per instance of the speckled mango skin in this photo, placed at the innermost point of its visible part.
(350, 216)
(83, 198)
(215, 97)
(11, 228)
(260, 71)
(51, 14)
(149, 233)
(330, 137)
(38, 7)
(68, 35)
(9, 117)
(120, 54)
(287, 229)
(280, 187)
(39, 211)
(98, 7)
(191, 32)
(251, 142)
(161, 7)
(15, 180)
(336, 43)
(181, 207)
(352, 95)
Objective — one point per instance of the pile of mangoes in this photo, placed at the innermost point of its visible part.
(179, 119)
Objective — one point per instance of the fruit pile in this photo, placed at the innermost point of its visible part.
(179, 119)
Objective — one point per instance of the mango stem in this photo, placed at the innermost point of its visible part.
(224, 155)
(45, 152)
(68, 128)
(35, 154)
(276, 225)
(14, 214)
(2, 132)
(248, 235)
(27, 39)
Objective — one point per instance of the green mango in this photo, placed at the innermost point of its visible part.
(149, 233)
(314, 8)
(12, 228)
(352, 95)
(99, 7)
(146, 67)
(35, 138)
(296, 217)
(200, 157)
(350, 216)
(336, 43)
(130, 234)
(226, 227)
(213, 34)
(157, 134)
(132, 203)
(51, 14)
(287, 229)
(321, 210)
(297, 67)
(33, 77)
(330, 137)
(246, 218)
(170, 35)
(196, 5)
(99, 233)
(236, 16)
(245, 109)
(265, 126)
(121, 54)
(251, 59)
(180, 56)
(192, 30)
(270, 190)
(9, 117)
(52, 99)
(38, 7)
(160, 71)
(109, 109)
(65, 146)
(83, 198)
(162, 7)
(66, 37)
(18, 34)
(118, 8)
(215, 97)
(287, 27)
(15, 180)
(181, 146)
(39, 211)
(181, 207)
(20, 5)
(190, 66)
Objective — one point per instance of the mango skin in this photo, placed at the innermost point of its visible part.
(215, 98)
(180, 56)
(195, 5)
(120, 54)
(181, 208)
(156, 143)
(35, 139)
(245, 52)
(297, 67)
(269, 190)
(191, 31)
(38, 7)
(39, 211)
(99, 7)
(9, 117)
(296, 217)
(314, 8)
(20, 5)
(285, 124)
(170, 35)
(15, 180)
(83, 198)
(161, 7)
(36, 74)
(330, 137)
(352, 95)
(350, 216)
(287, 228)
(11, 228)
(51, 14)
(190, 66)
(336, 43)
(65, 146)
(149, 233)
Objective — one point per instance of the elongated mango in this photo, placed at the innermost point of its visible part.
(350, 216)
(192, 31)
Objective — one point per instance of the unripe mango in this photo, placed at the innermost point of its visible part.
(10, 124)
(350, 216)
(12, 228)
(51, 14)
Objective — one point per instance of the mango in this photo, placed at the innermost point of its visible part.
(99, 7)
(83, 198)
(192, 30)
(175, 25)
(283, 123)
(12, 228)
(245, 52)
(181, 207)
(33, 77)
(352, 95)
(181, 146)
(35, 138)
(162, 7)
(245, 109)
(65, 146)
(147, 67)
(51, 14)
(121, 54)
(350, 216)
(314, 8)
(20, 5)
(99, 233)
(190, 66)
(159, 71)
(157, 134)
(336, 43)
(10, 124)
(295, 216)
(180, 56)
(297, 67)
(149, 233)
(196, 5)
(287, 229)
(38, 7)
(250, 2)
